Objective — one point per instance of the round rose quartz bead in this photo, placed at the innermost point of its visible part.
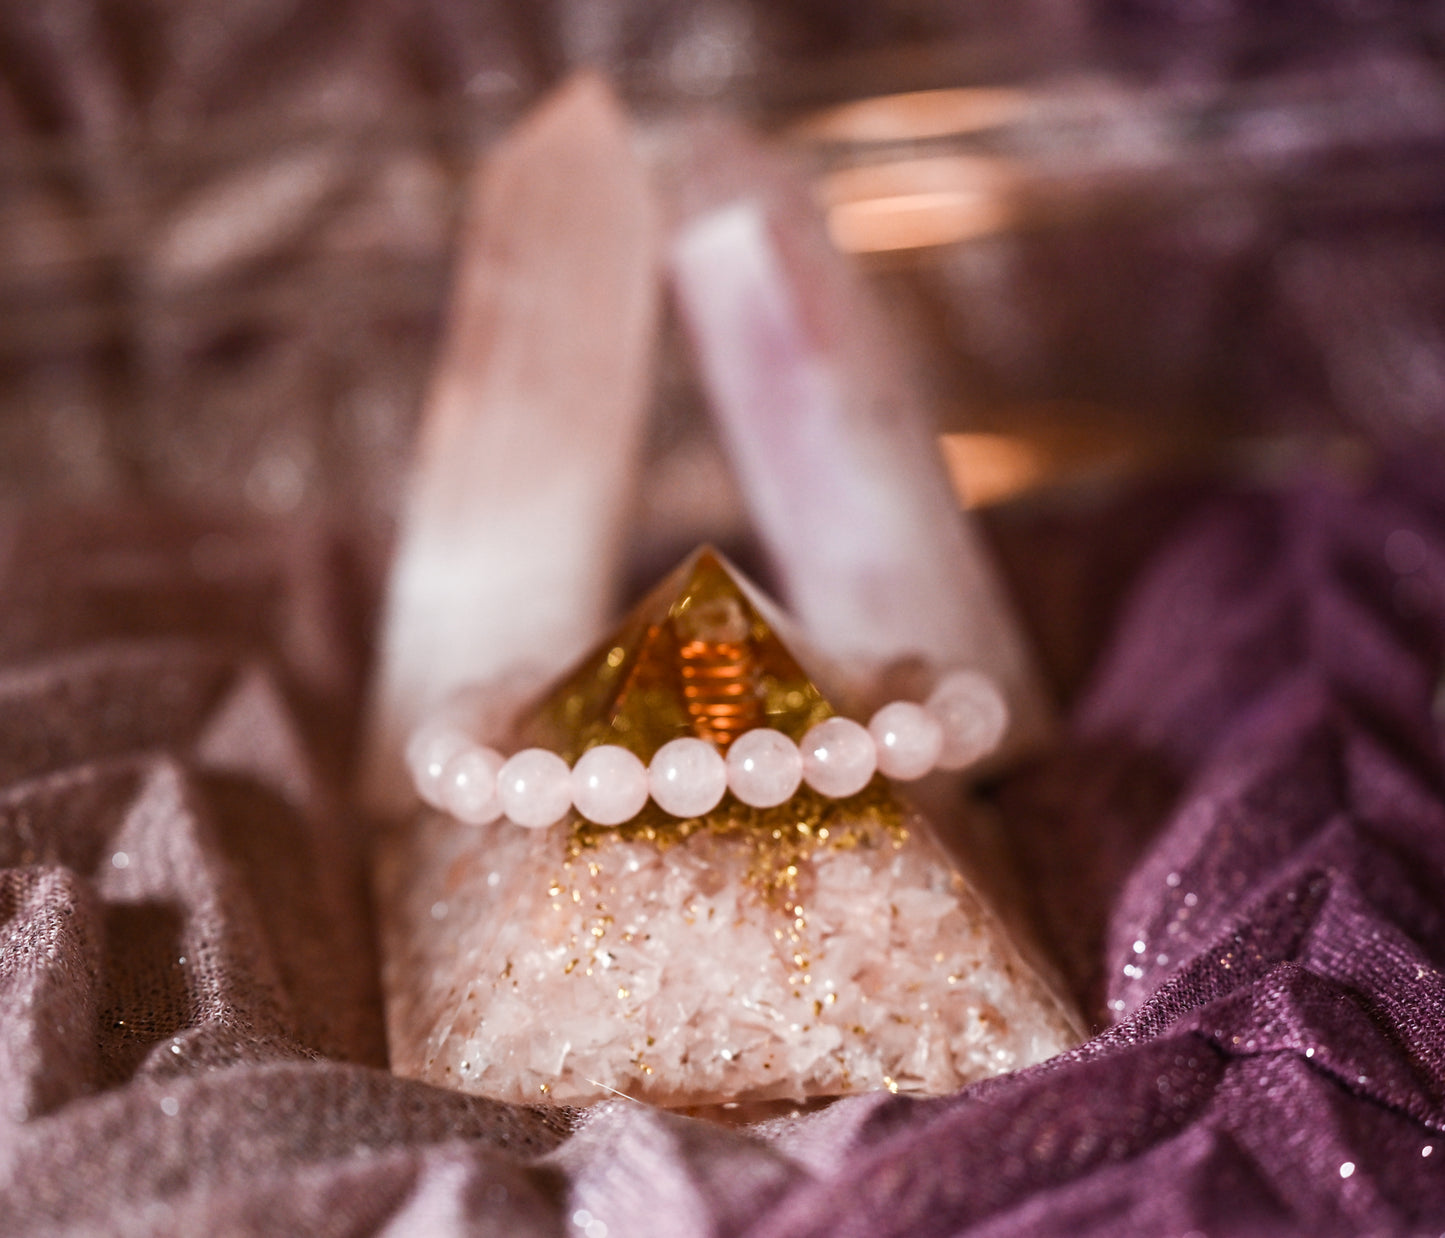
(535, 788)
(431, 746)
(609, 785)
(839, 757)
(764, 767)
(972, 712)
(908, 739)
(469, 785)
(688, 777)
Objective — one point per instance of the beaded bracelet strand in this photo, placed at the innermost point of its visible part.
(962, 721)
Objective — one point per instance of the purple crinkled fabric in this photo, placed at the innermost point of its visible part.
(1237, 855)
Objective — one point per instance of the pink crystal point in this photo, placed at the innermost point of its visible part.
(828, 437)
(526, 459)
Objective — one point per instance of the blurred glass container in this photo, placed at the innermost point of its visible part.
(1114, 238)
(1119, 270)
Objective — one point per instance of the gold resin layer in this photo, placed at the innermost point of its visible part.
(777, 839)
(699, 655)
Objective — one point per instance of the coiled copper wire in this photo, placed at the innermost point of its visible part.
(721, 687)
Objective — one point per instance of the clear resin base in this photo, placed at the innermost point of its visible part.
(696, 972)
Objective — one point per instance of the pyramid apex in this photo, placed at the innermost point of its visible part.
(700, 655)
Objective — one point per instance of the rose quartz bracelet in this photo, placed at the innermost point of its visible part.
(962, 721)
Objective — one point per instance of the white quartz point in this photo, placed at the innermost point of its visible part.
(535, 788)
(511, 527)
(973, 715)
(609, 785)
(764, 767)
(839, 757)
(908, 740)
(828, 436)
(688, 777)
(469, 785)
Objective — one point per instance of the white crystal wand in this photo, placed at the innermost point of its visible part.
(828, 438)
(509, 546)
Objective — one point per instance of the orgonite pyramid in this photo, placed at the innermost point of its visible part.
(816, 948)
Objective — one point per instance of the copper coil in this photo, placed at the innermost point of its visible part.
(721, 687)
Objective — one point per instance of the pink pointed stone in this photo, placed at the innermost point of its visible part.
(528, 446)
(828, 434)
